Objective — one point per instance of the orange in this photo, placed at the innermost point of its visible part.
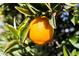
(40, 31)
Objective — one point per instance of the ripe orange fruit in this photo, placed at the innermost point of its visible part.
(40, 31)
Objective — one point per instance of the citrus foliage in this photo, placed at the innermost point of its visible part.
(14, 25)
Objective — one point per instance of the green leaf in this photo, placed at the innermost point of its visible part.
(14, 48)
(52, 22)
(75, 45)
(22, 4)
(31, 8)
(74, 52)
(24, 34)
(10, 45)
(12, 29)
(73, 20)
(22, 10)
(1, 52)
(74, 41)
(22, 25)
(16, 53)
(71, 4)
(56, 6)
(77, 53)
(28, 49)
(65, 51)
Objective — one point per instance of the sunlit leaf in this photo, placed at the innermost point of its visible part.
(12, 29)
(10, 45)
(73, 53)
(71, 4)
(24, 34)
(73, 39)
(2, 53)
(14, 48)
(74, 42)
(29, 50)
(76, 45)
(77, 53)
(22, 25)
(52, 21)
(22, 10)
(73, 20)
(65, 51)
(16, 53)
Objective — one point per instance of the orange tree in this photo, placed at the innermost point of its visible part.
(34, 29)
